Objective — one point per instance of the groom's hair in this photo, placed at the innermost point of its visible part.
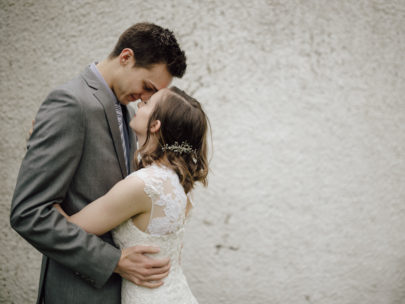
(151, 45)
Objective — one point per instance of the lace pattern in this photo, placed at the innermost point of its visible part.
(168, 199)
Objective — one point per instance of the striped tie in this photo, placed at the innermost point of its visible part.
(118, 110)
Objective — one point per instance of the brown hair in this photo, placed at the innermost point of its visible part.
(151, 45)
(183, 121)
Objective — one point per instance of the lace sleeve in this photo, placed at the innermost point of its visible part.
(168, 199)
(150, 185)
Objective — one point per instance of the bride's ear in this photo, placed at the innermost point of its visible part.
(155, 126)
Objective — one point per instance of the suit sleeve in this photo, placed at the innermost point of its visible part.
(53, 155)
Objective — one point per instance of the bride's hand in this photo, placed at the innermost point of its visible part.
(141, 269)
(61, 211)
(31, 130)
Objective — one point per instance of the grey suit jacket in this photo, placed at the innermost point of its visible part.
(74, 156)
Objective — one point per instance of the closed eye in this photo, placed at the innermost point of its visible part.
(149, 88)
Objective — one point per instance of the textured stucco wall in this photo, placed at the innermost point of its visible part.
(306, 201)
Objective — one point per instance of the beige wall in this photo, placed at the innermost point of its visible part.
(306, 100)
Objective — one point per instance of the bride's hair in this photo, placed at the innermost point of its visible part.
(183, 121)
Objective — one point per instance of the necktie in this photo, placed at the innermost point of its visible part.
(126, 137)
(121, 117)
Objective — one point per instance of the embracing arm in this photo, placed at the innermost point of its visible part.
(126, 199)
(46, 173)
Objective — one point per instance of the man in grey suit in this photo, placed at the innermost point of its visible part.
(80, 147)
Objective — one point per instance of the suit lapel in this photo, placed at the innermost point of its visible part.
(104, 99)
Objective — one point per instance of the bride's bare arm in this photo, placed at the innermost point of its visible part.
(126, 199)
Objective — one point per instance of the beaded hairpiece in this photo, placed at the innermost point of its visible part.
(184, 147)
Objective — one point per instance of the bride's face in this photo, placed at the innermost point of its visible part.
(139, 123)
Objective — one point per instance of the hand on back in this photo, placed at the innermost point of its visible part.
(142, 270)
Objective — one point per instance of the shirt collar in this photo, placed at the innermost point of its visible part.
(96, 72)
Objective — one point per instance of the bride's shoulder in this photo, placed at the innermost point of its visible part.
(153, 169)
(145, 170)
(149, 175)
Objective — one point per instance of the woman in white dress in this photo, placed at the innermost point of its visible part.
(151, 205)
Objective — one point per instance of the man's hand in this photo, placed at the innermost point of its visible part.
(141, 269)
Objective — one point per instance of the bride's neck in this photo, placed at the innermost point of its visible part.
(150, 145)
(141, 140)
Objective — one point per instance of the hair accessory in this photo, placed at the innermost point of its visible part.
(185, 147)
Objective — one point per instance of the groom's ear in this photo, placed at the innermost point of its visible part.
(155, 126)
(126, 56)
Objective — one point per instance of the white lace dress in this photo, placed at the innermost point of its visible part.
(165, 230)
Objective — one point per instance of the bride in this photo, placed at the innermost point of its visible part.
(150, 206)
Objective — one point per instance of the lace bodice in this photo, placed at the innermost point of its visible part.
(165, 230)
(168, 199)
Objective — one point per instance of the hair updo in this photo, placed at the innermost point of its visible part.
(182, 121)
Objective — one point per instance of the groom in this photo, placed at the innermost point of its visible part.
(80, 147)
